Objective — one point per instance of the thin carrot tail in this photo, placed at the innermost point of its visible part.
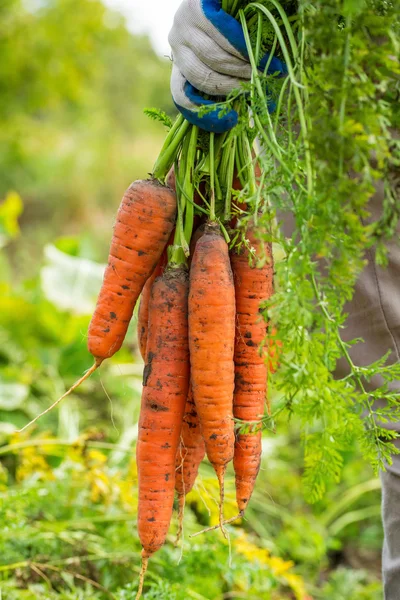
(145, 562)
(214, 527)
(88, 373)
(181, 510)
(220, 474)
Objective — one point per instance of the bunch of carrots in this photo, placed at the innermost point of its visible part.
(187, 242)
(201, 334)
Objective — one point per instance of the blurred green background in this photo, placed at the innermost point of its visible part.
(73, 85)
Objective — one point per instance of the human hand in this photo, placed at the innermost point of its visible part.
(210, 57)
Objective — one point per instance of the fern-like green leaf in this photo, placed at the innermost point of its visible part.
(157, 114)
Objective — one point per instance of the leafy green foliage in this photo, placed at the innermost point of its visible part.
(342, 98)
(346, 585)
(90, 536)
(70, 514)
(268, 34)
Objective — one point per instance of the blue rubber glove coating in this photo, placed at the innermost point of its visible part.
(214, 121)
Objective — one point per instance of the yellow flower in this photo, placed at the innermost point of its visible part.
(96, 457)
(128, 495)
(296, 584)
(100, 486)
(278, 567)
(132, 470)
(251, 551)
(32, 463)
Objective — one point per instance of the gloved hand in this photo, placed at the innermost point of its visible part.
(209, 55)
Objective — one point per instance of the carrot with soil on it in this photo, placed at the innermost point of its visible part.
(165, 383)
(144, 222)
(198, 233)
(191, 449)
(165, 389)
(212, 338)
(211, 342)
(253, 285)
(143, 312)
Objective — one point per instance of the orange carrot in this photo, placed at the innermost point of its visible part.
(190, 453)
(191, 449)
(211, 342)
(195, 238)
(165, 389)
(143, 313)
(252, 286)
(144, 223)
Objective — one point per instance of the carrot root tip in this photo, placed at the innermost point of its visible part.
(181, 511)
(88, 373)
(145, 562)
(214, 527)
(220, 475)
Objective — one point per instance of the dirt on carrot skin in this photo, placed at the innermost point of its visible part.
(143, 225)
(211, 341)
(166, 384)
(143, 312)
(253, 285)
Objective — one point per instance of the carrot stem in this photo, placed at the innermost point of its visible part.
(188, 187)
(229, 180)
(171, 134)
(218, 192)
(219, 146)
(234, 8)
(225, 233)
(170, 149)
(180, 248)
(240, 163)
(212, 174)
(88, 373)
(226, 153)
(271, 55)
(258, 42)
(184, 177)
(248, 165)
